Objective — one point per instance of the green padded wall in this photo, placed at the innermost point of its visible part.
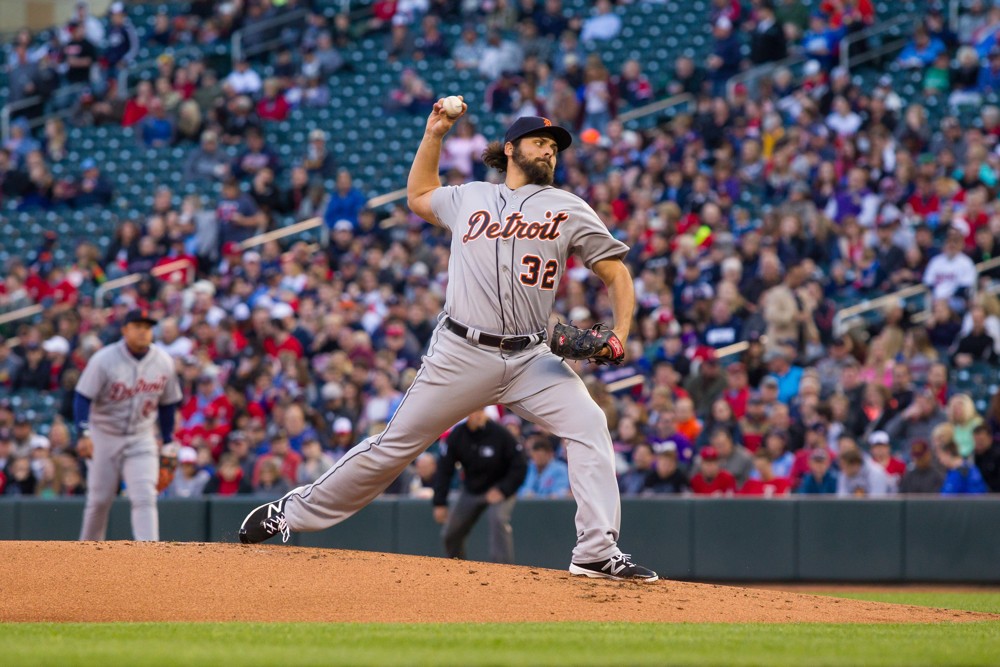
(850, 540)
(8, 521)
(49, 519)
(742, 539)
(660, 535)
(952, 540)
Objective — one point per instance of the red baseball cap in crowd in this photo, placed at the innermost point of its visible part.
(709, 454)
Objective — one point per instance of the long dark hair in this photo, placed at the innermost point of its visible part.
(494, 157)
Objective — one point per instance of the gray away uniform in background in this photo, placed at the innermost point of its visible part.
(125, 395)
(508, 252)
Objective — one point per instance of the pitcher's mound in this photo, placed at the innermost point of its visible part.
(133, 581)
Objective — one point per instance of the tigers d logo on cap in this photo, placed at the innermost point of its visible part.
(531, 124)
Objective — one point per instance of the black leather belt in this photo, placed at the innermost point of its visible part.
(505, 343)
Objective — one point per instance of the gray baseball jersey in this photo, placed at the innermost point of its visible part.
(125, 391)
(125, 395)
(508, 251)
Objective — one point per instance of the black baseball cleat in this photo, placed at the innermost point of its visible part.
(619, 568)
(265, 522)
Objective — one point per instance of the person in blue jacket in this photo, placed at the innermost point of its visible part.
(962, 478)
(548, 477)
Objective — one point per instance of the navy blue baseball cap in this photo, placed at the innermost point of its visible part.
(526, 125)
(139, 315)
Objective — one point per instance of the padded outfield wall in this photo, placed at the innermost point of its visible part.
(795, 539)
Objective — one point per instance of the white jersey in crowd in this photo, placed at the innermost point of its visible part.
(946, 274)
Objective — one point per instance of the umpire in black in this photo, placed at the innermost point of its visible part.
(494, 467)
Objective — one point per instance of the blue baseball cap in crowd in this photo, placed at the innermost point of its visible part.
(88, 163)
(526, 125)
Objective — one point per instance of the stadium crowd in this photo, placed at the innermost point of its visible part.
(751, 221)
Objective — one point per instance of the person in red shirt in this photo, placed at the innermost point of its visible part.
(711, 479)
(737, 392)
(272, 106)
(228, 479)
(281, 340)
(281, 452)
(881, 453)
(765, 482)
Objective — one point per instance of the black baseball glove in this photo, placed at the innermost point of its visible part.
(599, 344)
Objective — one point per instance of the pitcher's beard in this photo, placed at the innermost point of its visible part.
(538, 172)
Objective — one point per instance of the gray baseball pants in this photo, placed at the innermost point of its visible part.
(135, 459)
(458, 377)
(463, 516)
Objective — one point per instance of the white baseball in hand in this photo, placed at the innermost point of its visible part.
(452, 106)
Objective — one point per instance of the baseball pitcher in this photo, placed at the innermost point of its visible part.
(509, 247)
(127, 390)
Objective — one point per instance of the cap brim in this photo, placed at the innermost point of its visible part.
(562, 136)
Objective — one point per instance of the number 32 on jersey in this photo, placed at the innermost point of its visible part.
(542, 274)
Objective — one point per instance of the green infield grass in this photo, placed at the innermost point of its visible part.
(604, 644)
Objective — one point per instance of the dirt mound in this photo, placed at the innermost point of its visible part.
(131, 581)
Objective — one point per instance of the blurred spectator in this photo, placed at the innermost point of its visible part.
(821, 42)
(314, 463)
(21, 480)
(633, 481)
(345, 202)
(272, 105)
(764, 481)
(468, 52)
(961, 477)
(237, 215)
(665, 477)
(270, 483)
(605, 24)
(964, 419)
(157, 128)
(431, 43)
(711, 479)
(228, 479)
(189, 481)
(768, 40)
(987, 457)
(413, 95)
(724, 62)
(79, 53)
(921, 51)
(821, 479)
(499, 56)
(93, 188)
(915, 423)
(978, 346)
(881, 453)
(327, 56)
(859, 477)
(122, 41)
(989, 74)
(243, 80)
(923, 474)
(255, 156)
(206, 163)
(319, 161)
(547, 477)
